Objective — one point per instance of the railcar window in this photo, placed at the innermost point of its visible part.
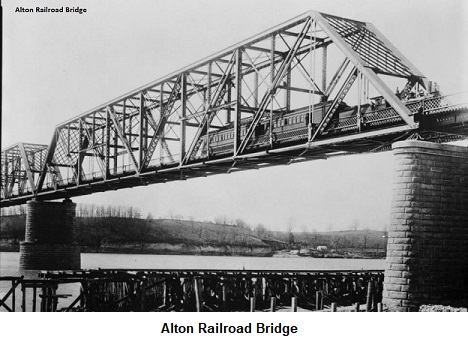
(285, 121)
(302, 118)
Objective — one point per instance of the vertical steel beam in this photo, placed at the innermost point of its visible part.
(106, 148)
(142, 133)
(229, 99)
(183, 116)
(5, 173)
(324, 67)
(94, 130)
(79, 160)
(161, 113)
(238, 104)
(124, 119)
(208, 86)
(272, 80)
(360, 90)
(115, 148)
(255, 89)
(287, 94)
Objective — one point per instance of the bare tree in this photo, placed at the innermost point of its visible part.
(290, 228)
(365, 238)
(222, 220)
(260, 230)
(354, 225)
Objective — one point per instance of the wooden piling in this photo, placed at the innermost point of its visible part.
(273, 304)
(375, 294)
(369, 296)
(294, 304)
(264, 289)
(356, 307)
(185, 293)
(225, 301)
(198, 295)
(34, 298)
(379, 307)
(13, 296)
(142, 297)
(252, 304)
(164, 293)
(23, 297)
(43, 298)
(319, 300)
(334, 307)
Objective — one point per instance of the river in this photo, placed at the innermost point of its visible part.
(9, 264)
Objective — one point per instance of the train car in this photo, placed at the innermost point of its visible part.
(292, 127)
(288, 127)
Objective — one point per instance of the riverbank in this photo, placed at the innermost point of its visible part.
(8, 245)
(161, 249)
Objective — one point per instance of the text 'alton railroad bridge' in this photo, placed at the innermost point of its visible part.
(313, 87)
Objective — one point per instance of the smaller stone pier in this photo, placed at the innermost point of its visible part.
(50, 242)
(427, 250)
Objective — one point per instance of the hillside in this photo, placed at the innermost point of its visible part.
(178, 236)
(133, 235)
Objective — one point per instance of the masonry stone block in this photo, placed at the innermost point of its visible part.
(50, 241)
(427, 251)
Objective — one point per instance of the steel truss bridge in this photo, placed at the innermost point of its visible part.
(313, 87)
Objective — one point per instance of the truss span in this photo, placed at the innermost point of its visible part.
(313, 87)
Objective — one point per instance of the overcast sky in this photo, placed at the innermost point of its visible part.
(58, 66)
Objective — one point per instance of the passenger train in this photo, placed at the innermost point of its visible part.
(292, 127)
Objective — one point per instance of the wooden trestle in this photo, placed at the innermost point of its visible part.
(111, 290)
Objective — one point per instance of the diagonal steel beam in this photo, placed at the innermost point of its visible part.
(209, 113)
(166, 111)
(123, 139)
(26, 166)
(267, 98)
(336, 102)
(15, 167)
(379, 85)
(48, 161)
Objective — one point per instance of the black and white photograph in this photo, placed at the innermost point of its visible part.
(223, 158)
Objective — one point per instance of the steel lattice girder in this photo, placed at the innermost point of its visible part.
(21, 165)
(172, 128)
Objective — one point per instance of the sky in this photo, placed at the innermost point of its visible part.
(58, 66)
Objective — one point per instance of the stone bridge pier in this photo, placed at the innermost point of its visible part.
(50, 242)
(427, 252)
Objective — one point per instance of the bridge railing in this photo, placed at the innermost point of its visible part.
(452, 101)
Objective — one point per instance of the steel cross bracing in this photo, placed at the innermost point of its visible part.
(313, 87)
